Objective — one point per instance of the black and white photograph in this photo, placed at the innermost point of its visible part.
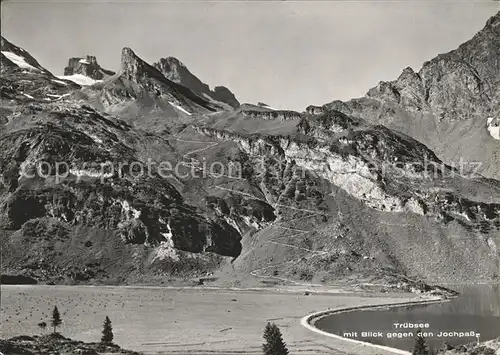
(250, 177)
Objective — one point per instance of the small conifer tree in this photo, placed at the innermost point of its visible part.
(420, 346)
(274, 344)
(107, 331)
(56, 319)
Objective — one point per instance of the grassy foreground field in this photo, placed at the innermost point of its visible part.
(183, 320)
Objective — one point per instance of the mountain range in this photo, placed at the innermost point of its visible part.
(452, 104)
(366, 192)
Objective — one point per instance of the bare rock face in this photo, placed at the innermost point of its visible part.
(87, 66)
(282, 115)
(176, 71)
(133, 67)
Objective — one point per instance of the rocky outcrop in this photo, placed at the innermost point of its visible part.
(315, 110)
(58, 344)
(241, 212)
(490, 347)
(281, 115)
(87, 66)
(177, 72)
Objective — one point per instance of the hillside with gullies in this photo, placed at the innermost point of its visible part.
(452, 104)
(250, 195)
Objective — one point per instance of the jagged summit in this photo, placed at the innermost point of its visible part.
(493, 22)
(170, 67)
(174, 70)
(131, 64)
(142, 92)
(134, 68)
(85, 71)
(87, 66)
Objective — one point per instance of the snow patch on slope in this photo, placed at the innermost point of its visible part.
(166, 248)
(18, 60)
(60, 82)
(58, 97)
(80, 79)
(494, 127)
(94, 137)
(179, 108)
(129, 210)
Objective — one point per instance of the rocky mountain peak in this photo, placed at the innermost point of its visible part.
(447, 103)
(174, 70)
(87, 66)
(4, 43)
(470, 72)
(494, 21)
(14, 57)
(131, 64)
(408, 73)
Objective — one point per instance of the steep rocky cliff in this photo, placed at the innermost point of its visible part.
(447, 105)
(177, 72)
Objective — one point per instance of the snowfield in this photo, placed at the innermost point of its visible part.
(60, 82)
(80, 79)
(179, 108)
(18, 60)
(494, 127)
(58, 97)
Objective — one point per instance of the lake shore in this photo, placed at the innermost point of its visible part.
(195, 320)
(310, 320)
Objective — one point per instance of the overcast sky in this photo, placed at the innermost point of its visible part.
(288, 54)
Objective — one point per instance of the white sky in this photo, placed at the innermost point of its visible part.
(288, 54)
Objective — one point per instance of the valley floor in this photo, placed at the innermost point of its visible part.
(156, 320)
